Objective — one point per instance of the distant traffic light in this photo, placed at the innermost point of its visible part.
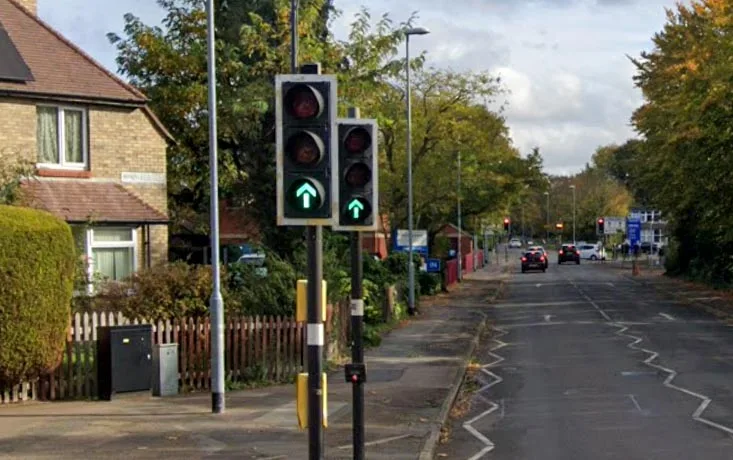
(506, 224)
(305, 113)
(355, 169)
(601, 226)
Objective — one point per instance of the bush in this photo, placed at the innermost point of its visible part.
(37, 257)
(252, 294)
(430, 283)
(173, 290)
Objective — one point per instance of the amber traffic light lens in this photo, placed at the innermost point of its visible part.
(358, 175)
(304, 149)
(357, 140)
(302, 102)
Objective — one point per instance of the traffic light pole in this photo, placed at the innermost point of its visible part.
(315, 331)
(315, 337)
(357, 369)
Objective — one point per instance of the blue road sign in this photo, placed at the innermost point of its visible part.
(633, 231)
(433, 265)
(419, 241)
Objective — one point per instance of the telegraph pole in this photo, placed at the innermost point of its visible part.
(216, 303)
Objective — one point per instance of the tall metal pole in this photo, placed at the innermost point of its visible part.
(216, 303)
(410, 263)
(573, 214)
(357, 339)
(293, 36)
(548, 217)
(314, 331)
(460, 225)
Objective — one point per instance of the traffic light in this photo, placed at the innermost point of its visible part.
(601, 226)
(305, 111)
(355, 169)
(506, 224)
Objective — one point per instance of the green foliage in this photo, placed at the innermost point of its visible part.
(682, 164)
(12, 172)
(37, 257)
(175, 290)
(253, 294)
(430, 283)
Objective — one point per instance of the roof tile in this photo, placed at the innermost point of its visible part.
(58, 66)
(87, 201)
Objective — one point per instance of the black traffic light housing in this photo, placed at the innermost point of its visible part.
(356, 168)
(506, 224)
(601, 225)
(305, 111)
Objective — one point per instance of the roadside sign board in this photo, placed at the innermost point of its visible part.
(633, 231)
(433, 266)
(419, 241)
(613, 225)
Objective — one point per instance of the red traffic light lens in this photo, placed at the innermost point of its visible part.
(357, 140)
(302, 101)
(358, 175)
(506, 221)
(305, 148)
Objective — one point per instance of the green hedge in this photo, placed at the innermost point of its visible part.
(37, 264)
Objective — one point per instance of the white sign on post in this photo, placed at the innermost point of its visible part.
(613, 225)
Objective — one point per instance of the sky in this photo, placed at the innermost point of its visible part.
(563, 62)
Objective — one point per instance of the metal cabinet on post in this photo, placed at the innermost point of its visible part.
(124, 359)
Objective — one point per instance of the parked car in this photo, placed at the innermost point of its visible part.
(543, 251)
(568, 253)
(533, 260)
(515, 243)
(530, 243)
(592, 251)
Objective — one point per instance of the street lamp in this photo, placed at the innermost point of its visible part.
(547, 229)
(573, 189)
(460, 230)
(410, 264)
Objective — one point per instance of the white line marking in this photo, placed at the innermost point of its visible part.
(667, 317)
(547, 318)
(468, 425)
(538, 285)
(704, 298)
(636, 403)
(705, 401)
(377, 441)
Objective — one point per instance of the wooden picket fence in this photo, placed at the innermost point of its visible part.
(258, 348)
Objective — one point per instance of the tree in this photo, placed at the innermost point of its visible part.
(684, 122)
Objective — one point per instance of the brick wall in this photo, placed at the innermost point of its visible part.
(17, 129)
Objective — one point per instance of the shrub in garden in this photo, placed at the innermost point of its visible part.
(430, 283)
(255, 294)
(173, 290)
(37, 266)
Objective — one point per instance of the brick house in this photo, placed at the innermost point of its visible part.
(98, 150)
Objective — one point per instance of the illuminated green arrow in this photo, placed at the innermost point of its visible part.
(356, 207)
(307, 191)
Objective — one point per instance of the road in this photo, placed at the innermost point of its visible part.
(585, 363)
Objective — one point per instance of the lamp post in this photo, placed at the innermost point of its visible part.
(460, 230)
(410, 264)
(547, 228)
(573, 189)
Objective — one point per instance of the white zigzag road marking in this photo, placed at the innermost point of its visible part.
(495, 379)
(705, 401)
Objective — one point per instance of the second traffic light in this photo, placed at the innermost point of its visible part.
(356, 171)
(305, 113)
(506, 224)
(600, 225)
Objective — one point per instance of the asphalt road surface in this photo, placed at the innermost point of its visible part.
(587, 364)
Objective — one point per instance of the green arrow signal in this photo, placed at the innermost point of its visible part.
(307, 191)
(355, 206)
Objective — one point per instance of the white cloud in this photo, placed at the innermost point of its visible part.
(563, 60)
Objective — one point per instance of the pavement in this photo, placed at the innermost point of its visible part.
(412, 378)
(587, 362)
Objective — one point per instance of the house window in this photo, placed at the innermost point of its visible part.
(112, 251)
(61, 135)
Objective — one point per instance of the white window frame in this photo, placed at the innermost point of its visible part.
(61, 132)
(90, 245)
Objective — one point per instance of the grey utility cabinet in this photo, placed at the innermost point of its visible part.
(165, 369)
